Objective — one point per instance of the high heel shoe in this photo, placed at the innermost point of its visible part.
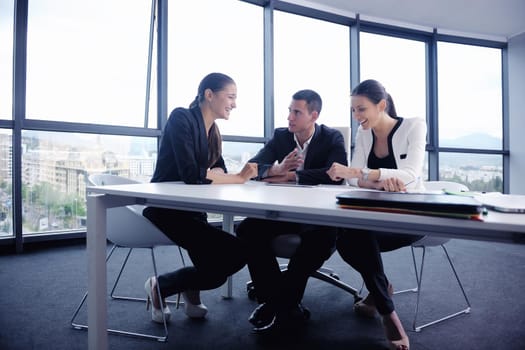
(193, 310)
(156, 314)
(367, 307)
(401, 344)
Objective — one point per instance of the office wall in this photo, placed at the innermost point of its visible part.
(517, 113)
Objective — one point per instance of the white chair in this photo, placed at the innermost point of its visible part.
(128, 228)
(433, 241)
(285, 245)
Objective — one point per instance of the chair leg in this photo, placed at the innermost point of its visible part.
(159, 296)
(83, 300)
(463, 311)
(324, 274)
(415, 289)
(118, 279)
(123, 297)
(122, 332)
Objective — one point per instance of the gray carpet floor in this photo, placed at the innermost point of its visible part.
(41, 288)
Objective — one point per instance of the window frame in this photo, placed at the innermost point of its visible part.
(355, 26)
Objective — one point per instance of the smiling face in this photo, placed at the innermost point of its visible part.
(222, 102)
(366, 112)
(300, 120)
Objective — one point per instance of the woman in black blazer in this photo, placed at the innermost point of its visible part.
(190, 151)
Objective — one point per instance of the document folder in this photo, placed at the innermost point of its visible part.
(412, 203)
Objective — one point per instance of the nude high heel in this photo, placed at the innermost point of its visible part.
(401, 344)
(193, 310)
(156, 314)
(367, 307)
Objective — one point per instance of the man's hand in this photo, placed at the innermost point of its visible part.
(291, 162)
(288, 177)
(338, 172)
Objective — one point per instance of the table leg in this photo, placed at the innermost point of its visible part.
(96, 252)
(227, 225)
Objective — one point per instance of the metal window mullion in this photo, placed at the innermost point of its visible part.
(432, 109)
(162, 64)
(268, 43)
(150, 53)
(355, 71)
(19, 110)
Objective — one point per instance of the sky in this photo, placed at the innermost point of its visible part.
(99, 75)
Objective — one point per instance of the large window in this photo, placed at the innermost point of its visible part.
(55, 167)
(470, 114)
(312, 54)
(87, 61)
(92, 62)
(470, 110)
(6, 58)
(398, 64)
(218, 36)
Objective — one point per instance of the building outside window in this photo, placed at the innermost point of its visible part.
(470, 115)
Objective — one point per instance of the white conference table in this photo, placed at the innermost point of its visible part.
(314, 205)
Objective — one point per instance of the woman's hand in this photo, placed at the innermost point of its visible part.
(248, 171)
(392, 184)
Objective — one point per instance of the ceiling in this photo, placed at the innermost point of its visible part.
(490, 19)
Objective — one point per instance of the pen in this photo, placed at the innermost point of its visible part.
(411, 182)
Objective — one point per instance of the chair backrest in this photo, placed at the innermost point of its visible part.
(108, 179)
(284, 245)
(346, 131)
(126, 226)
(429, 241)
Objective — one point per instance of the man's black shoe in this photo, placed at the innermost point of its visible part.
(300, 313)
(287, 320)
(262, 316)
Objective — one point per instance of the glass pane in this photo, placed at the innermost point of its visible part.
(398, 64)
(6, 190)
(6, 58)
(470, 96)
(306, 59)
(54, 170)
(236, 154)
(480, 172)
(424, 172)
(201, 41)
(87, 61)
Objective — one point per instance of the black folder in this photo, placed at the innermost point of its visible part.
(412, 203)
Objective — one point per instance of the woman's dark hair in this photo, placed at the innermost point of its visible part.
(375, 92)
(215, 82)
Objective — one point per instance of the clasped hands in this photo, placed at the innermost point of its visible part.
(285, 170)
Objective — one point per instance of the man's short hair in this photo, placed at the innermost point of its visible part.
(312, 98)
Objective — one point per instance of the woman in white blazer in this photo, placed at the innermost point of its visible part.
(389, 155)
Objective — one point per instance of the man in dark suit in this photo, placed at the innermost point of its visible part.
(301, 153)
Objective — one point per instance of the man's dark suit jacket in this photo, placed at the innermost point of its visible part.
(327, 146)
